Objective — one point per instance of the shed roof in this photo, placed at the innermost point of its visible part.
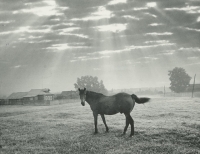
(17, 95)
(36, 92)
(67, 93)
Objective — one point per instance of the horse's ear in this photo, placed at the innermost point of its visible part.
(79, 89)
(84, 89)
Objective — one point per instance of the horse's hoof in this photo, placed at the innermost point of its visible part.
(131, 135)
(121, 135)
(95, 133)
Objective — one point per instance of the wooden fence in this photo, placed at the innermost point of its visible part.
(185, 94)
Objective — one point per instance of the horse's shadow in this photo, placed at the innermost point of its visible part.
(113, 132)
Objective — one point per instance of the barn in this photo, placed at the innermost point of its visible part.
(69, 94)
(38, 96)
(16, 98)
(196, 88)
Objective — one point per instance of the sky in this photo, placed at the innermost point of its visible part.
(125, 43)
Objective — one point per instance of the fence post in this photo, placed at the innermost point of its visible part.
(193, 85)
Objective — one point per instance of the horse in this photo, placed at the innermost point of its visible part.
(110, 105)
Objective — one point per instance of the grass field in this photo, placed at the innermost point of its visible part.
(164, 125)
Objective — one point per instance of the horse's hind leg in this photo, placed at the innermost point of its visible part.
(132, 124)
(127, 123)
(104, 121)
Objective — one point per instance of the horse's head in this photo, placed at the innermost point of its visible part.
(82, 93)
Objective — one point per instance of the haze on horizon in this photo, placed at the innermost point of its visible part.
(125, 43)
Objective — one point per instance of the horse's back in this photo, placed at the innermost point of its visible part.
(121, 102)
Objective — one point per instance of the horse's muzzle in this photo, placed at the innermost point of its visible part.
(83, 103)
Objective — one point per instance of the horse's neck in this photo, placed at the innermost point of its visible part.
(92, 97)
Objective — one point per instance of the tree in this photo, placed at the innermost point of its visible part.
(179, 79)
(90, 83)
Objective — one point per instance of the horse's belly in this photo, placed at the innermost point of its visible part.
(108, 109)
(110, 112)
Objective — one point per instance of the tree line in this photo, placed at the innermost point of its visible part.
(179, 81)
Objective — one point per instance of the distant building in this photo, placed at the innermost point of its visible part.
(196, 88)
(69, 95)
(3, 102)
(16, 98)
(38, 96)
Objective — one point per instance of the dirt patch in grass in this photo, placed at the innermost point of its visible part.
(163, 115)
(54, 116)
(177, 137)
(166, 115)
(194, 126)
(8, 114)
(63, 115)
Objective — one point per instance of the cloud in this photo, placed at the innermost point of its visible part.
(157, 41)
(34, 37)
(167, 52)
(193, 58)
(112, 28)
(187, 9)
(26, 29)
(131, 17)
(86, 58)
(40, 41)
(140, 8)
(192, 49)
(17, 66)
(157, 34)
(101, 13)
(62, 47)
(152, 15)
(192, 29)
(155, 24)
(149, 58)
(114, 2)
(151, 4)
(46, 8)
(133, 47)
(72, 34)
(198, 63)
(198, 19)
(7, 21)
(71, 29)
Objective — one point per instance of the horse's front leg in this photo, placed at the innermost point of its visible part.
(95, 122)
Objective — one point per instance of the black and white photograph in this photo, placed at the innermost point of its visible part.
(100, 76)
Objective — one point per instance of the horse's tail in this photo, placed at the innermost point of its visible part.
(141, 100)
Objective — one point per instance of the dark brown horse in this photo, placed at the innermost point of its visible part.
(109, 105)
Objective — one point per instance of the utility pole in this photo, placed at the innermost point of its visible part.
(193, 85)
(164, 91)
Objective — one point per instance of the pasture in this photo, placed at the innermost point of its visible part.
(164, 125)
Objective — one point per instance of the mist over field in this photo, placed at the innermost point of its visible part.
(164, 125)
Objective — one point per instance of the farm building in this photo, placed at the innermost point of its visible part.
(69, 94)
(196, 88)
(16, 98)
(3, 102)
(41, 96)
